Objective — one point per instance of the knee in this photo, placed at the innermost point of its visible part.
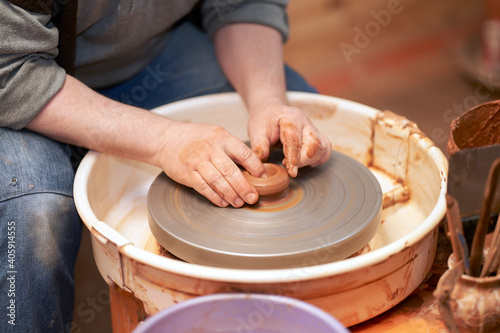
(54, 228)
(47, 229)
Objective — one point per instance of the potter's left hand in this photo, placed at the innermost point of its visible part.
(302, 143)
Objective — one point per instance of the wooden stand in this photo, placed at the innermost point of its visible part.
(126, 310)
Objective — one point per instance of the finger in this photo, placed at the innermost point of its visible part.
(290, 136)
(263, 135)
(259, 141)
(244, 156)
(261, 150)
(202, 187)
(213, 176)
(314, 147)
(245, 191)
(326, 152)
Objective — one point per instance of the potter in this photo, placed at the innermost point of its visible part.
(88, 73)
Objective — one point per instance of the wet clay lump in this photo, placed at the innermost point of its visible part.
(276, 181)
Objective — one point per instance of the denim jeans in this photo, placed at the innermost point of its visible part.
(40, 233)
(40, 227)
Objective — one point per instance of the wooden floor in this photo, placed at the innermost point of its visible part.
(409, 65)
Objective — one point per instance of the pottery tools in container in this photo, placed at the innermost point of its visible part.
(469, 292)
(473, 177)
(476, 257)
(468, 295)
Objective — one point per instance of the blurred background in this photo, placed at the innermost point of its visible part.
(423, 59)
(415, 58)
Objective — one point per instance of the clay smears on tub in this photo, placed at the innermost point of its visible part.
(275, 182)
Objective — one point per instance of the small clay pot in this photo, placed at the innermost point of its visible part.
(276, 181)
(468, 304)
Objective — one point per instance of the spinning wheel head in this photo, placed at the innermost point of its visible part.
(327, 213)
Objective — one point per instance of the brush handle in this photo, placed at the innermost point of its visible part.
(492, 261)
(454, 226)
(476, 254)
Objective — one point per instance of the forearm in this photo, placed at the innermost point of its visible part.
(190, 153)
(252, 59)
(251, 56)
(78, 115)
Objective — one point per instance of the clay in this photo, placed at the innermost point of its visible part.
(275, 182)
(291, 147)
(260, 153)
(478, 127)
(278, 202)
(313, 147)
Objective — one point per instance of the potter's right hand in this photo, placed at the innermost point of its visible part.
(203, 157)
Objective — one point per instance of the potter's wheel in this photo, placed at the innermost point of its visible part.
(328, 213)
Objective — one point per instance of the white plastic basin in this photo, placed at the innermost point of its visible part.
(110, 195)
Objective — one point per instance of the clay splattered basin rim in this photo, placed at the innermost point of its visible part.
(265, 275)
(236, 309)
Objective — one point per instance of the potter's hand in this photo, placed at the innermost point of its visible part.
(302, 143)
(201, 156)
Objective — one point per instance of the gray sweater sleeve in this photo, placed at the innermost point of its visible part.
(218, 13)
(29, 76)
